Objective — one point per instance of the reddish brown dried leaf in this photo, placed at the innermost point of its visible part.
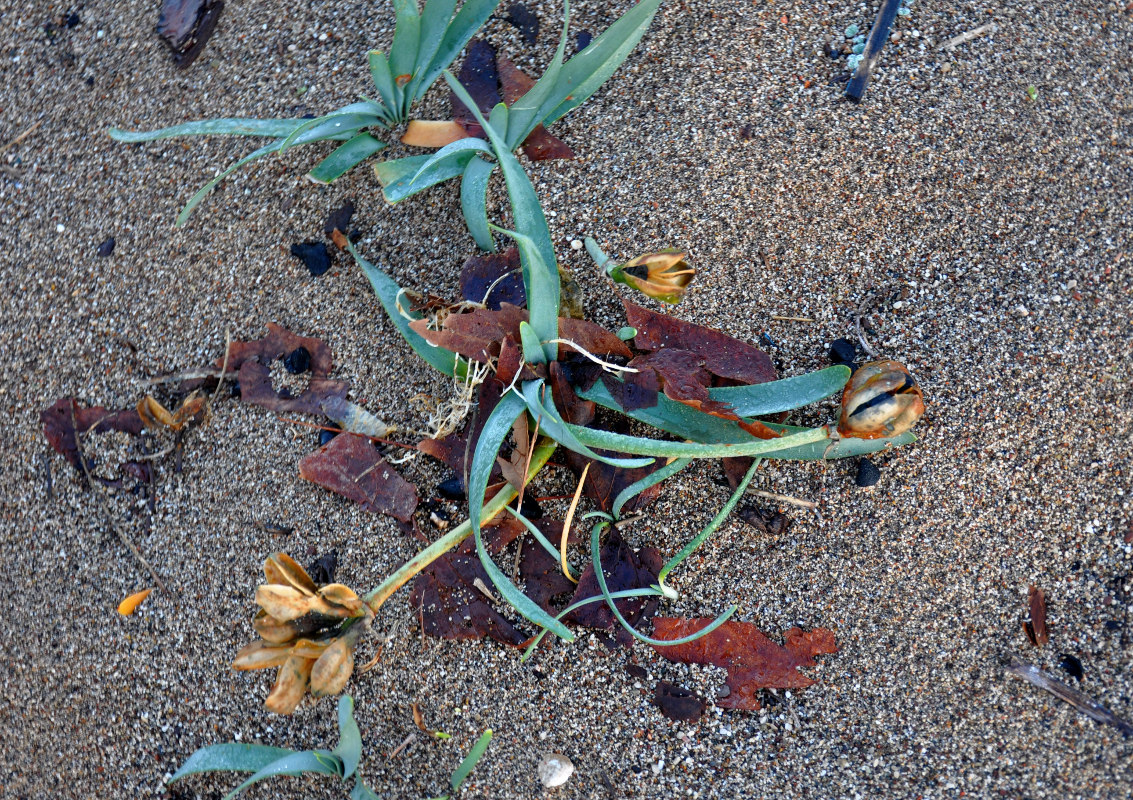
(542, 573)
(572, 409)
(1037, 631)
(477, 75)
(498, 273)
(539, 144)
(350, 466)
(451, 607)
(753, 661)
(678, 703)
(604, 483)
(454, 448)
(624, 569)
(66, 416)
(723, 356)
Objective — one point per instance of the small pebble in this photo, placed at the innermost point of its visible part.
(868, 473)
(852, 31)
(945, 68)
(60, 228)
(298, 361)
(576, 244)
(555, 769)
(325, 437)
(106, 248)
(843, 351)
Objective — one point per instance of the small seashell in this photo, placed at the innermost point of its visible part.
(555, 769)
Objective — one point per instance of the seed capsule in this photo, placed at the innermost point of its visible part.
(882, 399)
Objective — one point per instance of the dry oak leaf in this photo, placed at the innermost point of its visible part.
(753, 661)
(624, 569)
(452, 607)
(350, 466)
(66, 418)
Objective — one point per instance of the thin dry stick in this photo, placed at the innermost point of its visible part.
(22, 136)
(223, 366)
(791, 319)
(863, 310)
(190, 375)
(1080, 700)
(784, 498)
(408, 740)
(966, 37)
(98, 489)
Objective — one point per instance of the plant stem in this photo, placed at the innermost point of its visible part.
(539, 458)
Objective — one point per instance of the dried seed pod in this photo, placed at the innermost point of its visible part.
(286, 603)
(261, 655)
(290, 685)
(881, 400)
(344, 596)
(334, 668)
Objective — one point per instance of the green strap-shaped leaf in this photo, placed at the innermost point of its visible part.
(362, 792)
(587, 71)
(232, 757)
(349, 749)
(495, 430)
(387, 290)
(652, 479)
(543, 541)
(382, 77)
(522, 116)
(399, 178)
(345, 158)
(449, 150)
(474, 202)
(783, 395)
(348, 119)
(542, 285)
(469, 763)
(654, 447)
(600, 574)
(322, 762)
(435, 18)
(471, 18)
(275, 128)
(844, 447)
(403, 51)
(542, 407)
(652, 591)
(530, 344)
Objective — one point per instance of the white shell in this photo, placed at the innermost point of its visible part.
(555, 769)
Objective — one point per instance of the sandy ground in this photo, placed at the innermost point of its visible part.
(994, 228)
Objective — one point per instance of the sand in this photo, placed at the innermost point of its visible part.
(991, 230)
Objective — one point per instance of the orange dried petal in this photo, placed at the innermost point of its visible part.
(281, 569)
(131, 603)
(285, 603)
(333, 669)
(290, 685)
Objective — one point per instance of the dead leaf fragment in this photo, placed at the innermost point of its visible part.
(451, 607)
(624, 569)
(678, 703)
(433, 133)
(352, 467)
(1036, 628)
(66, 418)
(131, 603)
(493, 279)
(753, 661)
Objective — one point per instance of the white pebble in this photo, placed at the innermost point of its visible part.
(576, 244)
(555, 769)
(60, 228)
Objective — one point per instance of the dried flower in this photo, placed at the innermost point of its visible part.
(308, 632)
(881, 399)
(663, 275)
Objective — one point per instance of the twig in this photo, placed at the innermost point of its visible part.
(877, 37)
(223, 365)
(98, 488)
(1080, 700)
(47, 475)
(863, 311)
(408, 740)
(791, 319)
(191, 375)
(784, 498)
(22, 136)
(966, 37)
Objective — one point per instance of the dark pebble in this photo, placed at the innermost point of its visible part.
(339, 218)
(314, 256)
(843, 351)
(833, 49)
(1114, 625)
(73, 20)
(106, 248)
(90, 81)
(297, 361)
(1072, 666)
(868, 473)
(326, 436)
(582, 40)
(452, 489)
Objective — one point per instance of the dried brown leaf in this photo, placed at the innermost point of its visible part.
(66, 417)
(624, 569)
(433, 133)
(678, 703)
(1036, 629)
(493, 279)
(351, 466)
(451, 607)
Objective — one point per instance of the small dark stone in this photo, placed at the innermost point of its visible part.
(90, 81)
(297, 361)
(528, 24)
(72, 20)
(314, 256)
(833, 49)
(582, 40)
(234, 389)
(843, 351)
(530, 508)
(322, 569)
(868, 473)
(339, 218)
(765, 520)
(106, 248)
(325, 436)
(452, 489)
(539, 674)
(1072, 666)
(1114, 625)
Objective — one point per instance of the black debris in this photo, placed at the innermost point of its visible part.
(322, 569)
(1072, 666)
(314, 256)
(72, 20)
(868, 473)
(325, 436)
(297, 361)
(764, 520)
(339, 218)
(582, 40)
(451, 489)
(843, 351)
(528, 24)
(106, 248)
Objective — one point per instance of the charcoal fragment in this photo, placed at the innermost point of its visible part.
(868, 473)
(1072, 666)
(843, 351)
(314, 256)
(297, 361)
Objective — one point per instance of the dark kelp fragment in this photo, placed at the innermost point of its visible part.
(624, 569)
(525, 22)
(66, 418)
(314, 255)
(493, 279)
(753, 661)
(1035, 628)
(186, 25)
(678, 703)
(452, 607)
(723, 356)
(352, 467)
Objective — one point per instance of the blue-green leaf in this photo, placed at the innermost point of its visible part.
(234, 757)
(542, 285)
(459, 146)
(362, 792)
(349, 748)
(495, 430)
(844, 447)
(543, 541)
(399, 178)
(345, 158)
(652, 479)
(403, 51)
(346, 120)
(435, 18)
(471, 18)
(651, 591)
(523, 113)
(783, 395)
(474, 202)
(529, 342)
(387, 290)
(275, 128)
(383, 80)
(469, 763)
(621, 443)
(542, 407)
(322, 762)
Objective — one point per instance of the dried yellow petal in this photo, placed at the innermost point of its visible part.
(281, 569)
(260, 655)
(131, 603)
(285, 603)
(154, 415)
(290, 685)
(309, 648)
(343, 596)
(333, 669)
(273, 630)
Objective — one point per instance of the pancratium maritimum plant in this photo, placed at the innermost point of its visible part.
(545, 380)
